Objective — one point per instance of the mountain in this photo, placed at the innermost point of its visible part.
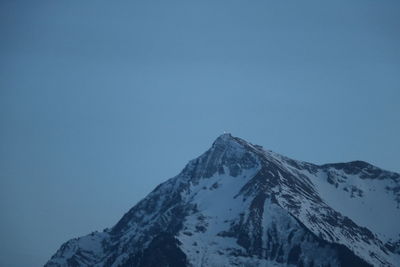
(241, 205)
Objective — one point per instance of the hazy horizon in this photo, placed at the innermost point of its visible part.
(100, 102)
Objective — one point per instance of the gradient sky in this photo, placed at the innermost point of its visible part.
(100, 101)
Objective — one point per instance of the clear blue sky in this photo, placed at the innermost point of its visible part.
(100, 101)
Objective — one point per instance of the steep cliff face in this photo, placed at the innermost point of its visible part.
(238, 204)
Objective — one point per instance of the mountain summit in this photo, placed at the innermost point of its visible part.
(241, 205)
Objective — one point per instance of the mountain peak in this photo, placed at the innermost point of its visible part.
(224, 139)
(238, 204)
(232, 143)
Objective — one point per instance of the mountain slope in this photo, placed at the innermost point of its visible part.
(238, 204)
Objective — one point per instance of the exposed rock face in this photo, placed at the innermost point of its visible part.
(241, 205)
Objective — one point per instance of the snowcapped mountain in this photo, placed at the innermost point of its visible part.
(241, 205)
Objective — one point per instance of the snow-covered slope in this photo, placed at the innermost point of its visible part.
(241, 205)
